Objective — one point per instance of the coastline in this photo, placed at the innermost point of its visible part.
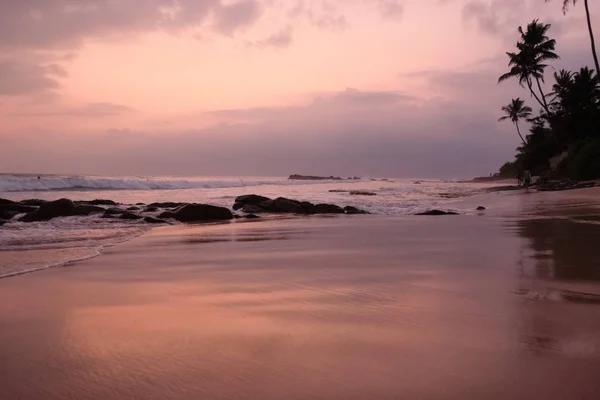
(494, 304)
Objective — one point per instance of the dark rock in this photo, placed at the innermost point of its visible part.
(202, 212)
(283, 205)
(252, 216)
(2, 222)
(33, 202)
(353, 210)
(235, 216)
(167, 204)
(6, 201)
(17, 207)
(480, 208)
(328, 209)
(307, 207)
(166, 214)
(133, 209)
(362, 193)
(150, 209)
(114, 211)
(338, 191)
(437, 212)
(101, 202)
(128, 215)
(87, 209)
(139, 204)
(250, 209)
(251, 199)
(50, 210)
(314, 178)
(8, 214)
(151, 220)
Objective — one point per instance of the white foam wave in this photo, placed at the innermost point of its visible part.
(27, 183)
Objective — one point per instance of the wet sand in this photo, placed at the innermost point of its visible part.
(485, 306)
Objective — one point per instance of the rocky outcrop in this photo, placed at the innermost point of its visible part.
(6, 201)
(150, 209)
(101, 202)
(552, 186)
(87, 209)
(114, 211)
(7, 214)
(33, 202)
(151, 220)
(353, 210)
(202, 212)
(20, 208)
(167, 204)
(133, 208)
(481, 208)
(252, 216)
(166, 214)
(50, 210)
(362, 193)
(437, 212)
(253, 204)
(129, 216)
(314, 178)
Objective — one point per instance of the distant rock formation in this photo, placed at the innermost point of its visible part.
(320, 178)
(437, 212)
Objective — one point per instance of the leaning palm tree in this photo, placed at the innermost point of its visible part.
(516, 111)
(566, 4)
(535, 47)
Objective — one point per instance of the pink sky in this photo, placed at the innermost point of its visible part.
(102, 86)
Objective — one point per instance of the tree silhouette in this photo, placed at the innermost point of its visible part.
(515, 111)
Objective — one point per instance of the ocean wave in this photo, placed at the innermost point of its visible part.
(28, 183)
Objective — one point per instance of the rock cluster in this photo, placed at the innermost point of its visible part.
(254, 204)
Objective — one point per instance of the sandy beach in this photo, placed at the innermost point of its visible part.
(503, 304)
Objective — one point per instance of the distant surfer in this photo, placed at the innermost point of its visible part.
(39, 177)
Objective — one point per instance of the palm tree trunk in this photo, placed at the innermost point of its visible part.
(530, 85)
(545, 105)
(593, 42)
(519, 132)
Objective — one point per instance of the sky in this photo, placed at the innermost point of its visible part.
(395, 88)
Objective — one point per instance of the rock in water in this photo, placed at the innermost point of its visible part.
(87, 209)
(102, 202)
(53, 209)
(133, 208)
(151, 220)
(6, 201)
(150, 209)
(7, 214)
(353, 210)
(437, 212)
(20, 208)
(33, 202)
(283, 205)
(168, 204)
(114, 211)
(130, 216)
(328, 209)
(202, 212)
(249, 199)
(166, 214)
(252, 216)
(362, 193)
(480, 208)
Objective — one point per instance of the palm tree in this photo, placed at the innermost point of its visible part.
(516, 111)
(528, 64)
(566, 4)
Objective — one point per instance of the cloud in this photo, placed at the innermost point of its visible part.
(282, 38)
(231, 17)
(90, 110)
(27, 77)
(391, 9)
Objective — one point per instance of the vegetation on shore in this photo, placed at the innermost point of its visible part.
(564, 138)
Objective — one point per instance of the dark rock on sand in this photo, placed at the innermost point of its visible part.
(354, 210)
(7, 214)
(114, 211)
(283, 205)
(252, 216)
(17, 207)
(150, 209)
(362, 193)
(481, 208)
(33, 202)
(102, 202)
(6, 201)
(50, 210)
(338, 191)
(166, 214)
(250, 209)
(437, 212)
(328, 209)
(130, 216)
(87, 209)
(202, 212)
(151, 220)
(167, 204)
(249, 199)
(133, 208)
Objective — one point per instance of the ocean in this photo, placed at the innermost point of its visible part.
(28, 247)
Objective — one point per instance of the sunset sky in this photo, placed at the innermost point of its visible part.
(266, 87)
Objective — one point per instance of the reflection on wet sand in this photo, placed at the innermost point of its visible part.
(369, 308)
